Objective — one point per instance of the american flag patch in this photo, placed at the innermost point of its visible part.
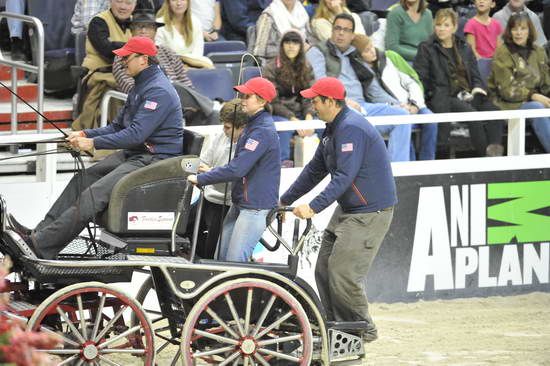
(347, 147)
(251, 144)
(150, 105)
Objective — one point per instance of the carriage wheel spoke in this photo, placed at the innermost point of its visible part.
(121, 335)
(248, 309)
(60, 351)
(245, 362)
(70, 324)
(63, 338)
(278, 355)
(176, 357)
(110, 324)
(230, 358)
(68, 360)
(110, 362)
(223, 324)
(81, 313)
(234, 313)
(264, 315)
(216, 337)
(276, 323)
(213, 352)
(280, 340)
(99, 315)
(261, 359)
(127, 350)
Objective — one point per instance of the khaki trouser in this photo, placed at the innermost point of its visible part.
(349, 245)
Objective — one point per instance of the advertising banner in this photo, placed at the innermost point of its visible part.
(464, 235)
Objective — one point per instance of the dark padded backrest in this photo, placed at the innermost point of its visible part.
(80, 47)
(192, 142)
(217, 83)
(250, 72)
(223, 46)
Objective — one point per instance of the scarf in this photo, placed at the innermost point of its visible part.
(285, 20)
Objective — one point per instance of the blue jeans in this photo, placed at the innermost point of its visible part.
(284, 139)
(399, 143)
(242, 229)
(428, 139)
(541, 125)
(15, 26)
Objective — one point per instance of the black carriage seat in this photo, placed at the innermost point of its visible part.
(144, 203)
(289, 269)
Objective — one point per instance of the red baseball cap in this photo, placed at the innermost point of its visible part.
(327, 87)
(142, 45)
(259, 86)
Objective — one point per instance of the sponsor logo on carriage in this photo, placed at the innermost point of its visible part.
(150, 220)
(484, 235)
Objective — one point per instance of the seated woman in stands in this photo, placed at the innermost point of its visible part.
(279, 17)
(448, 70)
(520, 77)
(182, 33)
(290, 72)
(321, 24)
(408, 24)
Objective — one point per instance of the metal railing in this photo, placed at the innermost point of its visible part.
(39, 70)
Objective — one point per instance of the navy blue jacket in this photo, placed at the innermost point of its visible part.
(150, 121)
(238, 15)
(355, 155)
(256, 168)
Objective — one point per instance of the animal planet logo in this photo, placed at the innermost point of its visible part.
(495, 223)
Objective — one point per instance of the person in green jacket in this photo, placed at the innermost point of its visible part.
(407, 25)
(520, 76)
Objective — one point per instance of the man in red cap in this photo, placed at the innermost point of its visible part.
(355, 156)
(149, 128)
(255, 172)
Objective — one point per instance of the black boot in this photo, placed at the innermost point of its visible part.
(17, 53)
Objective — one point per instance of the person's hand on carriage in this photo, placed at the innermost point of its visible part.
(303, 211)
(193, 179)
(204, 168)
(80, 142)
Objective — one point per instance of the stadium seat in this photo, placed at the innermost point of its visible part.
(249, 72)
(230, 60)
(215, 84)
(484, 66)
(223, 46)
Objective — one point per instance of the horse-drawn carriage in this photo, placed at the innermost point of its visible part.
(204, 311)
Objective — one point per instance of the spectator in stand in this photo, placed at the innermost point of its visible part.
(482, 31)
(144, 25)
(516, 6)
(279, 17)
(388, 78)
(520, 77)
(333, 58)
(107, 31)
(238, 15)
(322, 21)
(216, 203)
(290, 72)
(448, 70)
(209, 14)
(182, 33)
(84, 11)
(407, 25)
(15, 28)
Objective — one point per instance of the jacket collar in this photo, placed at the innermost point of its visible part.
(332, 126)
(146, 74)
(334, 51)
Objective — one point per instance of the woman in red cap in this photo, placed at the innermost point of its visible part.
(255, 172)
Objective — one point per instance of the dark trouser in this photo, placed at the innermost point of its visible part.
(209, 228)
(349, 245)
(482, 134)
(86, 195)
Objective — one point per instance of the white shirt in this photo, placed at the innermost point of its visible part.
(204, 11)
(171, 38)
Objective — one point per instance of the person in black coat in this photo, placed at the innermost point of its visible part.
(448, 70)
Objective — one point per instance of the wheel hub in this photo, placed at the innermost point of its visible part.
(90, 352)
(248, 346)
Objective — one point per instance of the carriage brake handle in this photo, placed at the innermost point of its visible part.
(300, 243)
